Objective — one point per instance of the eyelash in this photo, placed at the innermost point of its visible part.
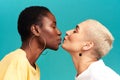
(74, 31)
(54, 26)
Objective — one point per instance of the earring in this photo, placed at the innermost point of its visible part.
(80, 54)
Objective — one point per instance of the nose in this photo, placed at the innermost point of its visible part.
(59, 32)
(69, 32)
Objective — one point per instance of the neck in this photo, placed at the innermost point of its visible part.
(82, 62)
(32, 53)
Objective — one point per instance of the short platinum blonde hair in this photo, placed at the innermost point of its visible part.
(100, 35)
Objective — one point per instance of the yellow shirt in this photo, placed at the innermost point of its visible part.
(15, 66)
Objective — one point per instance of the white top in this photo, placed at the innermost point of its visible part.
(98, 71)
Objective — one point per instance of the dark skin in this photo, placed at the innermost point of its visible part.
(47, 34)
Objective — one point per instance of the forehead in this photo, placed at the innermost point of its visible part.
(82, 25)
(49, 19)
(51, 16)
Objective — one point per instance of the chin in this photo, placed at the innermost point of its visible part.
(63, 46)
(55, 48)
(66, 48)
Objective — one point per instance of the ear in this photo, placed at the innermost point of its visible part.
(88, 45)
(35, 30)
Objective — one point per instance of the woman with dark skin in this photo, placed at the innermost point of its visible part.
(38, 31)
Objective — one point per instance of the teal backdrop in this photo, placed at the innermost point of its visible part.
(58, 65)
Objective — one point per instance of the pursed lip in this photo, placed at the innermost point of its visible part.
(64, 38)
(59, 40)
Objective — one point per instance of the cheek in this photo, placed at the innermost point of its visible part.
(74, 39)
(49, 34)
(73, 46)
(51, 38)
(76, 47)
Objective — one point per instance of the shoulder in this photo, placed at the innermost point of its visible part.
(100, 71)
(17, 57)
(14, 64)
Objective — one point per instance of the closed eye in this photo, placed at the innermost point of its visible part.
(54, 27)
(74, 31)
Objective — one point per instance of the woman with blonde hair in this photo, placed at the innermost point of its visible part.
(87, 44)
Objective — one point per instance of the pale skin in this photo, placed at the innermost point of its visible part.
(75, 43)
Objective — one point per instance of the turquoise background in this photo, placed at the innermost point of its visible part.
(58, 65)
